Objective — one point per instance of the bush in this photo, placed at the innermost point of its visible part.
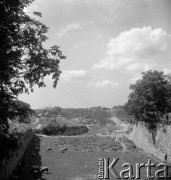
(58, 129)
(52, 129)
(75, 130)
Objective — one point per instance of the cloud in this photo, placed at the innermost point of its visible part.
(136, 49)
(142, 66)
(73, 75)
(166, 70)
(146, 68)
(68, 28)
(134, 79)
(134, 66)
(110, 63)
(81, 43)
(103, 84)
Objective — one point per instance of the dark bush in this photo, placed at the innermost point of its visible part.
(52, 129)
(75, 130)
(58, 129)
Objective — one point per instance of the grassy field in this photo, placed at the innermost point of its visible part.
(80, 161)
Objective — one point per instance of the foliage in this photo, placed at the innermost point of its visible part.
(91, 115)
(150, 99)
(122, 115)
(75, 130)
(25, 61)
(8, 143)
(118, 107)
(55, 128)
(129, 130)
(23, 110)
(94, 114)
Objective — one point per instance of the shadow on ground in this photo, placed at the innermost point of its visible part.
(30, 158)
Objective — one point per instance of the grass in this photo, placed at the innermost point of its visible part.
(130, 146)
(129, 130)
(79, 162)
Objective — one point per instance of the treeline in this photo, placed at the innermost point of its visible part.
(123, 115)
(118, 107)
(95, 114)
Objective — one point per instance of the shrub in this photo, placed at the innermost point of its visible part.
(52, 129)
(75, 130)
(58, 129)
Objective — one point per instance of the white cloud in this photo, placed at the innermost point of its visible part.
(136, 49)
(81, 43)
(103, 84)
(73, 75)
(110, 63)
(147, 67)
(134, 66)
(68, 28)
(140, 66)
(133, 79)
(144, 41)
(166, 70)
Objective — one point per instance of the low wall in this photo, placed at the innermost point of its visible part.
(7, 167)
(157, 142)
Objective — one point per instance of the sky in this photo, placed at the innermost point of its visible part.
(108, 44)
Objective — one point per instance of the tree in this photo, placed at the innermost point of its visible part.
(24, 61)
(150, 99)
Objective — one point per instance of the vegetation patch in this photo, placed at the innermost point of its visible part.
(130, 146)
(149, 100)
(94, 115)
(129, 130)
(8, 144)
(61, 129)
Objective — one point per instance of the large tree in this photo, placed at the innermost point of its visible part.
(24, 60)
(150, 99)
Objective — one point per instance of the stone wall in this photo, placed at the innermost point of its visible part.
(8, 165)
(156, 142)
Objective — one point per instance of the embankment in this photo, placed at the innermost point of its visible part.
(156, 142)
(9, 164)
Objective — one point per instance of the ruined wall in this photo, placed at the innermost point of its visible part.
(8, 165)
(156, 142)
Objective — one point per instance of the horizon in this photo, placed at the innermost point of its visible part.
(107, 44)
(75, 107)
